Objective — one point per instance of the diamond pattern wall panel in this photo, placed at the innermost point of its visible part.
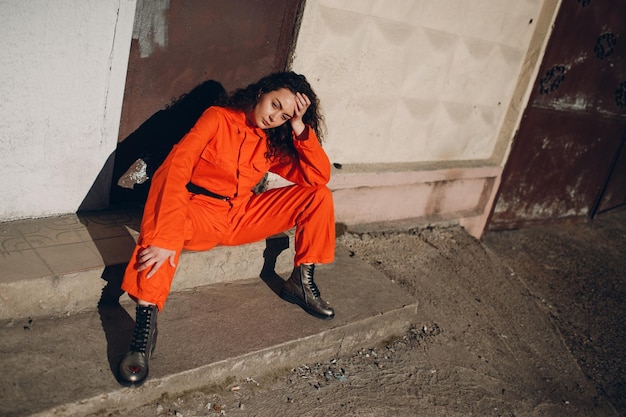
(413, 80)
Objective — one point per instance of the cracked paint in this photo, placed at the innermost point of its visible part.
(151, 28)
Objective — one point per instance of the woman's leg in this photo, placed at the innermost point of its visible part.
(203, 229)
(151, 293)
(311, 210)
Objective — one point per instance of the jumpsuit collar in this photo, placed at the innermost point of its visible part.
(242, 119)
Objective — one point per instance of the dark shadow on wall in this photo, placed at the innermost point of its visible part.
(125, 178)
(153, 140)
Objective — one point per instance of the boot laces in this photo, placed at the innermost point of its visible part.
(142, 330)
(313, 287)
(310, 283)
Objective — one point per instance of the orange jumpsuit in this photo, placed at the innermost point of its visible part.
(226, 155)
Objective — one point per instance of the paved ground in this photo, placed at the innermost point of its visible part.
(526, 323)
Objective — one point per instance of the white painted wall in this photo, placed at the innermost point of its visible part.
(63, 66)
(414, 80)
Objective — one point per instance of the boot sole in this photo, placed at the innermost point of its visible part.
(295, 300)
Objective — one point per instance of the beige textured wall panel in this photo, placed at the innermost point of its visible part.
(443, 200)
(369, 205)
(414, 80)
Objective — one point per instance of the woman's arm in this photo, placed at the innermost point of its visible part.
(166, 208)
(311, 167)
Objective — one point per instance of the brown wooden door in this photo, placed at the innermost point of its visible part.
(565, 160)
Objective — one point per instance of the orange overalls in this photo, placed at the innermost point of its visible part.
(222, 153)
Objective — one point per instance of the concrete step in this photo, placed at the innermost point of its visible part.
(225, 331)
(66, 264)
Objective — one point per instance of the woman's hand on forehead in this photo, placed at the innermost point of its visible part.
(302, 104)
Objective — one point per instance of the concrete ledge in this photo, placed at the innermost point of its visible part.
(458, 192)
(367, 332)
(232, 263)
(69, 293)
(207, 335)
(51, 295)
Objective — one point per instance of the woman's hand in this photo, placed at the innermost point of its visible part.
(154, 256)
(302, 104)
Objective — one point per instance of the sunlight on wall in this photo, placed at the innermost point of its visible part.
(64, 66)
(413, 80)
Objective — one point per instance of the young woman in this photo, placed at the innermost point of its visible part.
(202, 197)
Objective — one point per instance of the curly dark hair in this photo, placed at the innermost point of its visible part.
(280, 143)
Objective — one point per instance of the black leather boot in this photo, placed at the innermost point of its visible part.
(133, 369)
(301, 289)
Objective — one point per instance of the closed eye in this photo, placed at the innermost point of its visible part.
(278, 105)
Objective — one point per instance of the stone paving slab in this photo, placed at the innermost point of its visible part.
(60, 265)
(76, 291)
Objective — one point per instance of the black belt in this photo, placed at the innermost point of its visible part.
(193, 188)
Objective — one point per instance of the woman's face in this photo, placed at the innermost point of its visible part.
(273, 109)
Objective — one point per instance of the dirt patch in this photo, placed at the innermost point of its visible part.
(577, 273)
(508, 327)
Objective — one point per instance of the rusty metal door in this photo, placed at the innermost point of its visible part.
(567, 159)
(614, 193)
(184, 55)
(178, 44)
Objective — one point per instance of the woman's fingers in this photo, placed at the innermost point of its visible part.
(155, 268)
(302, 103)
(154, 257)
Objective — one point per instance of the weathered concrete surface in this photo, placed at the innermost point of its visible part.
(65, 366)
(73, 290)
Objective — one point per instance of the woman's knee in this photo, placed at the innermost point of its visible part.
(322, 198)
(322, 191)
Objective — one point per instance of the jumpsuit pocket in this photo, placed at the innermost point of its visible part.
(257, 171)
(216, 166)
(211, 155)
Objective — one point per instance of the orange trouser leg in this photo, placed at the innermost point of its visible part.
(310, 209)
(207, 235)
(154, 290)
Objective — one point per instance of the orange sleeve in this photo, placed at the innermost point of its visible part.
(312, 166)
(166, 207)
